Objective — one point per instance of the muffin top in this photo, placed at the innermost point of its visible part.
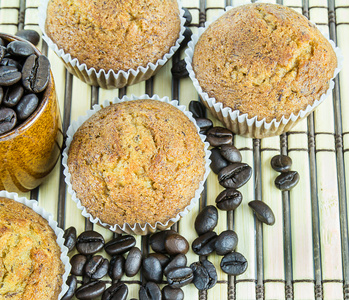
(30, 264)
(117, 35)
(136, 161)
(265, 60)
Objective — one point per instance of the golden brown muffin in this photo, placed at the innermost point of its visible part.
(30, 264)
(137, 161)
(264, 60)
(117, 35)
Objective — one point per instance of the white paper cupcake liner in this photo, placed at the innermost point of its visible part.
(53, 224)
(108, 79)
(240, 123)
(136, 228)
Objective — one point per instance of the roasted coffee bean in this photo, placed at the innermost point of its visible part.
(19, 48)
(13, 94)
(205, 275)
(157, 240)
(226, 242)
(117, 291)
(116, 267)
(97, 267)
(89, 242)
(287, 180)
(205, 244)
(228, 199)
(235, 175)
(26, 106)
(90, 290)
(262, 211)
(8, 120)
(206, 220)
(2, 52)
(218, 136)
(281, 163)
(179, 277)
(231, 153)
(163, 259)
(179, 69)
(176, 244)
(133, 262)
(150, 291)
(1, 94)
(11, 63)
(187, 36)
(179, 260)
(218, 162)
(2, 43)
(169, 293)
(197, 109)
(120, 245)
(78, 262)
(29, 35)
(9, 75)
(234, 263)
(204, 124)
(72, 284)
(151, 269)
(70, 238)
(187, 16)
(36, 73)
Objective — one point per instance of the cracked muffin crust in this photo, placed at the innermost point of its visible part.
(265, 60)
(114, 35)
(30, 264)
(137, 161)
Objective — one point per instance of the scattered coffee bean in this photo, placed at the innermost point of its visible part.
(262, 211)
(281, 163)
(187, 16)
(133, 262)
(29, 35)
(19, 48)
(116, 267)
(36, 73)
(197, 109)
(151, 269)
(205, 275)
(89, 242)
(176, 244)
(218, 162)
(204, 124)
(70, 238)
(206, 220)
(205, 244)
(157, 240)
(96, 267)
(169, 293)
(218, 136)
(117, 291)
(226, 242)
(120, 245)
(90, 290)
(13, 94)
(179, 69)
(179, 277)
(235, 175)
(8, 120)
(229, 199)
(26, 106)
(231, 153)
(187, 36)
(163, 259)
(287, 180)
(72, 284)
(9, 75)
(78, 262)
(234, 263)
(150, 291)
(179, 260)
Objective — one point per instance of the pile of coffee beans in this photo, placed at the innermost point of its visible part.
(23, 78)
(287, 179)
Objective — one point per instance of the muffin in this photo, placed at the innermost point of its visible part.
(115, 36)
(264, 61)
(30, 264)
(137, 162)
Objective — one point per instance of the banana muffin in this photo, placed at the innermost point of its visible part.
(30, 264)
(136, 162)
(114, 35)
(264, 60)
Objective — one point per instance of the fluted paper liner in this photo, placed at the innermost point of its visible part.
(137, 228)
(53, 224)
(240, 123)
(108, 79)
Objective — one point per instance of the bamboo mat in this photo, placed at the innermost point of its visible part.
(305, 254)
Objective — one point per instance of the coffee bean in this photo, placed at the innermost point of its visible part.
(2, 43)
(176, 244)
(36, 73)
(9, 75)
(96, 267)
(218, 162)
(1, 94)
(179, 277)
(187, 37)
(163, 259)
(234, 175)
(205, 244)
(262, 211)
(26, 106)
(89, 242)
(11, 63)
(151, 269)
(287, 180)
(206, 220)
(133, 262)
(187, 16)
(234, 263)
(229, 199)
(226, 242)
(70, 238)
(72, 284)
(19, 48)
(150, 291)
(218, 136)
(197, 109)
(90, 290)
(169, 293)
(204, 124)
(205, 275)
(120, 245)
(8, 120)
(2, 52)
(116, 267)
(157, 240)
(13, 94)
(281, 163)
(29, 35)
(231, 153)
(78, 262)
(180, 260)
(117, 291)
(179, 69)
